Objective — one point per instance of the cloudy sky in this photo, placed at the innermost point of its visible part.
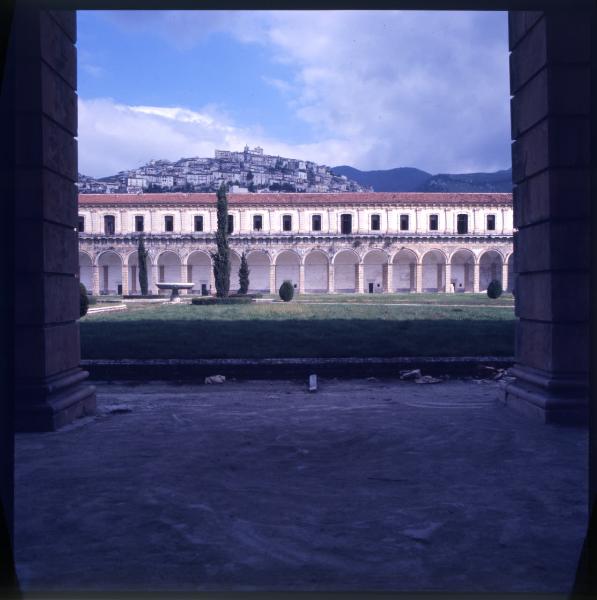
(374, 90)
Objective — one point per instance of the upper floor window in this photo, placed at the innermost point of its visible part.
(403, 222)
(462, 223)
(316, 222)
(198, 223)
(109, 224)
(433, 222)
(490, 222)
(81, 224)
(375, 222)
(230, 223)
(346, 224)
(257, 222)
(287, 223)
(138, 223)
(168, 223)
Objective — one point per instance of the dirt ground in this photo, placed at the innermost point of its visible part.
(259, 485)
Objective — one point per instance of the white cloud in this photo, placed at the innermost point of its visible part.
(381, 89)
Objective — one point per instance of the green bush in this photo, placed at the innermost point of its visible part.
(211, 300)
(494, 289)
(286, 291)
(83, 300)
(92, 300)
(240, 295)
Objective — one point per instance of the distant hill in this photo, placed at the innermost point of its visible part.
(402, 179)
(406, 179)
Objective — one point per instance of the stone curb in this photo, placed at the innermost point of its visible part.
(284, 368)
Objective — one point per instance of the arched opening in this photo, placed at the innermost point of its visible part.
(287, 267)
(168, 269)
(462, 267)
(199, 272)
(373, 271)
(109, 266)
(404, 271)
(86, 270)
(316, 272)
(133, 271)
(346, 264)
(434, 271)
(234, 267)
(490, 268)
(259, 267)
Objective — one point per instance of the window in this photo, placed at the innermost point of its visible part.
(375, 222)
(346, 223)
(490, 222)
(138, 223)
(287, 223)
(168, 223)
(109, 226)
(230, 223)
(316, 222)
(257, 222)
(403, 222)
(462, 223)
(433, 222)
(198, 225)
(81, 224)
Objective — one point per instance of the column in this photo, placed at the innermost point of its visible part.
(183, 277)
(476, 269)
(50, 388)
(331, 284)
(505, 276)
(360, 276)
(388, 278)
(448, 277)
(125, 279)
(551, 157)
(212, 280)
(272, 280)
(154, 279)
(419, 278)
(301, 281)
(95, 286)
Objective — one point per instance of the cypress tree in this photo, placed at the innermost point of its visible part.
(142, 253)
(222, 257)
(243, 275)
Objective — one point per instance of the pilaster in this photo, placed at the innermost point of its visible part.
(505, 281)
(125, 279)
(448, 283)
(272, 280)
(388, 277)
(476, 274)
(419, 278)
(301, 281)
(331, 284)
(95, 286)
(359, 277)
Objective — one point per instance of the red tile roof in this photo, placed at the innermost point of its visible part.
(343, 198)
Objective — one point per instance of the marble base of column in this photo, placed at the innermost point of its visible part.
(547, 397)
(51, 403)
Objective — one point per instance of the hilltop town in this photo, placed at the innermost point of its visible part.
(248, 171)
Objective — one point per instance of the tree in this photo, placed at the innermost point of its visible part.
(221, 258)
(243, 275)
(83, 300)
(142, 253)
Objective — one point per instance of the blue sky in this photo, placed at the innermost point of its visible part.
(374, 90)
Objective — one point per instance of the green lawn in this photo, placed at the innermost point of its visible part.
(300, 330)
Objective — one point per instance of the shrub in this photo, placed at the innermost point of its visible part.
(494, 289)
(286, 291)
(211, 300)
(83, 300)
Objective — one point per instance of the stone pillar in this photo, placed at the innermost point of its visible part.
(183, 277)
(476, 269)
(360, 276)
(419, 278)
(505, 282)
(331, 284)
(49, 384)
(95, 283)
(448, 282)
(550, 75)
(125, 279)
(272, 280)
(388, 274)
(301, 281)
